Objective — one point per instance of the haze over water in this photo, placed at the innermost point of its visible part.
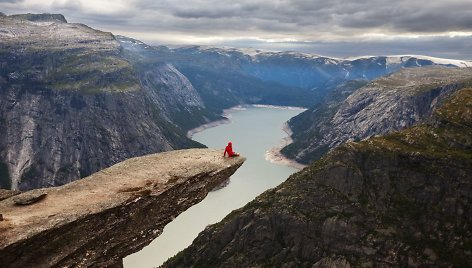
(253, 131)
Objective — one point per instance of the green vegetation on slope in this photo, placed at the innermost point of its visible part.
(449, 133)
(92, 73)
(72, 70)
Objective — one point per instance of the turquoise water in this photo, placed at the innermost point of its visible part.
(253, 131)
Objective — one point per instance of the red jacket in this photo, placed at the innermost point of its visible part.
(229, 150)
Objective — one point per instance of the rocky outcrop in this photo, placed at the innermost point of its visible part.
(29, 197)
(46, 17)
(394, 201)
(384, 105)
(4, 194)
(96, 221)
(71, 105)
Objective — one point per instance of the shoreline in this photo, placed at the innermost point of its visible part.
(273, 155)
(295, 108)
(225, 120)
(211, 124)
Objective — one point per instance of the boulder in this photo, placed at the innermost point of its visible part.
(29, 198)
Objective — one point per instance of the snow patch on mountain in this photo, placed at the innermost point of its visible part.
(458, 63)
(399, 59)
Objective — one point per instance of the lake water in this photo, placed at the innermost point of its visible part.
(253, 131)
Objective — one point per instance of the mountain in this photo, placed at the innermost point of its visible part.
(219, 80)
(392, 201)
(299, 70)
(307, 71)
(226, 77)
(71, 104)
(355, 110)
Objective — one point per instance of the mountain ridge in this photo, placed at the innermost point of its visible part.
(386, 104)
(253, 53)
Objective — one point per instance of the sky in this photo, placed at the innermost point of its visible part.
(336, 28)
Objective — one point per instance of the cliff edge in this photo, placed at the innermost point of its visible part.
(100, 219)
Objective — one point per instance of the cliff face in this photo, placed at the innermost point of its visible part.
(70, 104)
(384, 105)
(179, 101)
(398, 200)
(96, 221)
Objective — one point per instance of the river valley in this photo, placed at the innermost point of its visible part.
(254, 131)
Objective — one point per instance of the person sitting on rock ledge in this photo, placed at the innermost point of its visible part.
(229, 150)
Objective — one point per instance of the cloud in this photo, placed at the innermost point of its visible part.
(372, 24)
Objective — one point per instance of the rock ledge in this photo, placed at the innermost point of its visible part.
(100, 219)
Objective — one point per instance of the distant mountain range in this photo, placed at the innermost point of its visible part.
(305, 77)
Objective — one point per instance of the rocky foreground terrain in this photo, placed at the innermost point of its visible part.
(96, 221)
(393, 201)
(355, 111)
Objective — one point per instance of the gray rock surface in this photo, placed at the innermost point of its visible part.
(170, 90)
(29, 197)
(384, 105)
(96, 221)
(4, 194)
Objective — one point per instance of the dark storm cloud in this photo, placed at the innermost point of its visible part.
(324, 24)
(453, 48)
(413, 16)
(396, 16)
(400, 16)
